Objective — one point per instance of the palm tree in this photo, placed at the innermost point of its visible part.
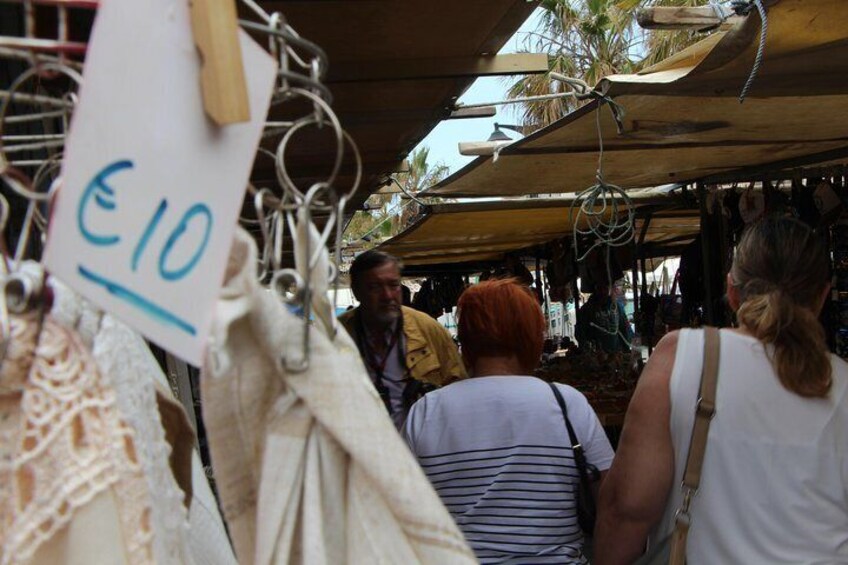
(391, 213)
(591, 39)
(419, 177)
(586, 39)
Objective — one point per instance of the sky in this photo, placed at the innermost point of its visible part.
(445, 137)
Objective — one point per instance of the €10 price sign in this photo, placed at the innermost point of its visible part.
(151, 189)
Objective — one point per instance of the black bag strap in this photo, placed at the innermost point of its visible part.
(576, 446)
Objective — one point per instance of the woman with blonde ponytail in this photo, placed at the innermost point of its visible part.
(774, 481)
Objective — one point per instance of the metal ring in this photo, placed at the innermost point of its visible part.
(330, 119)
(282, 282)
(21, 292)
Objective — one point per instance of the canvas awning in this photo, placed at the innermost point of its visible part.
(683, 121)
(396, 69)
(486, 231)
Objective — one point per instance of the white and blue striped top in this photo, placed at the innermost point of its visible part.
(497, 451)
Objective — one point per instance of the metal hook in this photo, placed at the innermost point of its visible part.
(294, 290)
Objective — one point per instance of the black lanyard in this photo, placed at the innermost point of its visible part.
(370, 357)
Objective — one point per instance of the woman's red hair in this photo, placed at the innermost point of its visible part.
(499, 318)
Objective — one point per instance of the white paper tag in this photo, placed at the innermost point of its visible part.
(152, 189)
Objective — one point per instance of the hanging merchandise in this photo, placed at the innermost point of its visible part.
(164, 436)
(690, 277)
(731, 210)
(123, 356)
(752, 205)
(560, 271)
(439, 295)
(72, 488)
(98, 462)
(110, 442)
(309, 466)
(828, 203)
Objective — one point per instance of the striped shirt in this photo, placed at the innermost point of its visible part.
(497, 451)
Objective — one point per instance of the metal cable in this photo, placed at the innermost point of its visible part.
(758, 60)
(607, 210)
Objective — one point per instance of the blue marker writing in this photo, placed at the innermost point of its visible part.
(176, 274)
(137, 301)
(148, 232)
(103, 195)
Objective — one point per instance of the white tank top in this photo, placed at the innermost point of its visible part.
(774, 486)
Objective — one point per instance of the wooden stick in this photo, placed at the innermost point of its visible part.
(215, 27)
(673, 17)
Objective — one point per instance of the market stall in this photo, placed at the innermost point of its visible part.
(743, 130)
(140, 143)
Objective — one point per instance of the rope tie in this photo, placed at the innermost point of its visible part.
(743, 8)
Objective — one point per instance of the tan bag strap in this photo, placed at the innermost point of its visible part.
(704, 411)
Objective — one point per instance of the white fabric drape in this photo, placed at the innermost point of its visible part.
(309, 466)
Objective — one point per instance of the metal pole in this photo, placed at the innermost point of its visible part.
(706, 254)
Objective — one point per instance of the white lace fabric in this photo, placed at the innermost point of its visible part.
(64, 443)
(179, 537)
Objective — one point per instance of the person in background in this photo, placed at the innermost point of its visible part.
(405, 351)
(774, 482)
(495, 446)
(603, 323)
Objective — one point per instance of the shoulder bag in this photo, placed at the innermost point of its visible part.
(586, 509)
(672, 549)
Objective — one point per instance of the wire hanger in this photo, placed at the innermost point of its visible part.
(286, 213)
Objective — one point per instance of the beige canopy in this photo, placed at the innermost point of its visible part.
(683, 120)
(485, 231)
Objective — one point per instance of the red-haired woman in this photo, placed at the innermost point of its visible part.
(495, 447)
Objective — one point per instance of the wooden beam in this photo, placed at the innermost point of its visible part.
(471, 148)
(678, 17)
(439, 68)
(481, 112)
(778, 169)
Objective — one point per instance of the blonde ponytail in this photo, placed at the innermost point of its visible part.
(800, 355)
(781, 271)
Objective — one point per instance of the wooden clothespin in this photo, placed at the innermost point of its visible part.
(215, 27)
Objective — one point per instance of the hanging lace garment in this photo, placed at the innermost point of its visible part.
(179, 537)
(73, 490)
(308, 465)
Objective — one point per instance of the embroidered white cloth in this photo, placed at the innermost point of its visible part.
(309, 466)
(71, 485)
(179, 537)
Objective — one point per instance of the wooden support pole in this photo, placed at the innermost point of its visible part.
(635, 274)
(706, 254)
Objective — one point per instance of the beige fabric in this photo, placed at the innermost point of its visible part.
(483, 231)
(93, 537)
(308, 465)
(63, 446)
